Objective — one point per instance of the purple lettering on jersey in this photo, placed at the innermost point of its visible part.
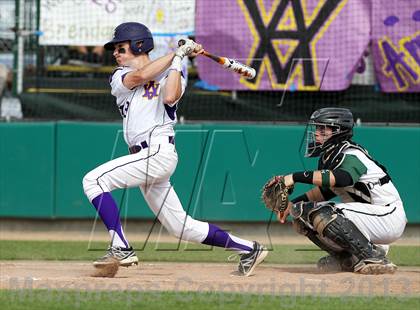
(151, 90)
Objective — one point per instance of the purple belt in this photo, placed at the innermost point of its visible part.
(143, 145)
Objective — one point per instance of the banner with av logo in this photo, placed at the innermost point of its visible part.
(396, 45)
(292, 44)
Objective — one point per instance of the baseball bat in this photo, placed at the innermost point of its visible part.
(228, 63)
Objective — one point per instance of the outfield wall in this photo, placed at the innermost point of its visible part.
(220, 172)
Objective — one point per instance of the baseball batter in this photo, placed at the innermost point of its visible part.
(147, 93)
(356, 232)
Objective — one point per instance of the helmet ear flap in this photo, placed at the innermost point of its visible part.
(141, 46)
(135, 46)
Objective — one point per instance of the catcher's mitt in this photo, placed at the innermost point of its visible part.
(275, 194)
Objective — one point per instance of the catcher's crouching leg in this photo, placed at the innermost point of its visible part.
(334, 227)
(338, 259)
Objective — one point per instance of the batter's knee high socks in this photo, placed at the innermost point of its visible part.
(109, 213)
(218, 237)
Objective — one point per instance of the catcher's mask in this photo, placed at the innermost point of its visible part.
(327, 127)
(139, 36)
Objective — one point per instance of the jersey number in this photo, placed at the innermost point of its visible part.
(124, 108)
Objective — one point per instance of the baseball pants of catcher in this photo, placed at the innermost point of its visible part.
(380, 224)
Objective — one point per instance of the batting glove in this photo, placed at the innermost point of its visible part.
(186, 49)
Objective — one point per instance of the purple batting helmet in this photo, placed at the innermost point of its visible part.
(134, 33)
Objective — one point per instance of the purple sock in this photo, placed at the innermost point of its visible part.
(218, 237)
(109, 213)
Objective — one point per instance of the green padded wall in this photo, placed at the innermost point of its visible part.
(220, 172)
(27, 172)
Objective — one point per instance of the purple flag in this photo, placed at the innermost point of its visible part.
(396, 45)
(292, 44)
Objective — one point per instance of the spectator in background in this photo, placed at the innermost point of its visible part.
(5, 79)
(84, 55)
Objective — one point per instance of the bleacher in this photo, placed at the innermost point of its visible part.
(82, 92)
(53, 89)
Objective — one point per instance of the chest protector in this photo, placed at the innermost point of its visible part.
(333, 157)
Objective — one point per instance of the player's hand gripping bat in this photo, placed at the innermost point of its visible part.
(229, 64)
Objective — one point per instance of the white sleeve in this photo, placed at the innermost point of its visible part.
(183, 86)
(116, 79)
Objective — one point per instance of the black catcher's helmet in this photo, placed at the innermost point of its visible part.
(341, 122)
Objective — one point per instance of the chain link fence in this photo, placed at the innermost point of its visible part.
(71, 82)
(7, 38)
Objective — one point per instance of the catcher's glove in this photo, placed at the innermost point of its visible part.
(275, 194)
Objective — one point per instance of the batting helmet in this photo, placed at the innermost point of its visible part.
(134, 33)
(341, 122)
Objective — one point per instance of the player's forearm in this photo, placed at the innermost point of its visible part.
(148, 72)
(322, 178)
(319, 178)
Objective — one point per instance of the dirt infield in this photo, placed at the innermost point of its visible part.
(297, 280)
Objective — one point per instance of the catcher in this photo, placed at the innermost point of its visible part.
(356, 233)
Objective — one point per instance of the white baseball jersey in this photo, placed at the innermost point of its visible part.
(381, 195)
(144, 114)
(146, 118)
(383, 219)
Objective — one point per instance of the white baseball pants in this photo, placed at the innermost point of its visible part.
(380, 224)
(150, 170)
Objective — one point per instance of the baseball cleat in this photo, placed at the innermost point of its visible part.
(375, 266)
(332, 263)
(249, 261)
(126, 257)
(329, 264)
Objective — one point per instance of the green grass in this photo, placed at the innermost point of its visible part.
(51, 299)
(167, 252)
